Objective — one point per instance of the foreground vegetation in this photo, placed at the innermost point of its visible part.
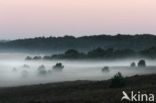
(78, 91)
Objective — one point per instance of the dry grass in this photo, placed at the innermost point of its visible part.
(77, 91)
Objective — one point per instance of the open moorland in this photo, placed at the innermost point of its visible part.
(77, 91)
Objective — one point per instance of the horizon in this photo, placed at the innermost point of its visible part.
(74, 36)
(27, 18)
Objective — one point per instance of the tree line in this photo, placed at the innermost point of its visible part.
(84, 43)
(100, 53)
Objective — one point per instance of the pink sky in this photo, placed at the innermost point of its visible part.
(30, 18)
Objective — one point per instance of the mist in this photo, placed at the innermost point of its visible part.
(15, 71)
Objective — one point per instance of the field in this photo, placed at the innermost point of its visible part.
(77, 91)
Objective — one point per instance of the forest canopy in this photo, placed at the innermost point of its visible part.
(84, 43)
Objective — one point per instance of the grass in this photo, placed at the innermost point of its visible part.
(77, 91)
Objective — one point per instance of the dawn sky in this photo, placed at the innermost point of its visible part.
(31, 18)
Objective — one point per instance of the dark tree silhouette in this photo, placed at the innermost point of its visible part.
(98, 53)
(28, 58)
(117, 81)
(133, 64)
(58, 66)
(85, 43)
(141, 63)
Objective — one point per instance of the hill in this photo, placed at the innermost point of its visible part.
(84, 43)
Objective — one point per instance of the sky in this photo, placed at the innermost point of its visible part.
(33, 18)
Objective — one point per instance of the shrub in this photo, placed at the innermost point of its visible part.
(58, 66)
(28, 58)
(117, 81)
(133, 64)
(105, 69)
(142, 63)
(42, 70)
(37, 58)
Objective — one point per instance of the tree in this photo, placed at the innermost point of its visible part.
(133, 64)
(96, 53)
(58, 66)
(105, 69)
(141, 63)
(71, 53)
(42, 70)
(37, 58)
(117, 81)
(28, 58)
